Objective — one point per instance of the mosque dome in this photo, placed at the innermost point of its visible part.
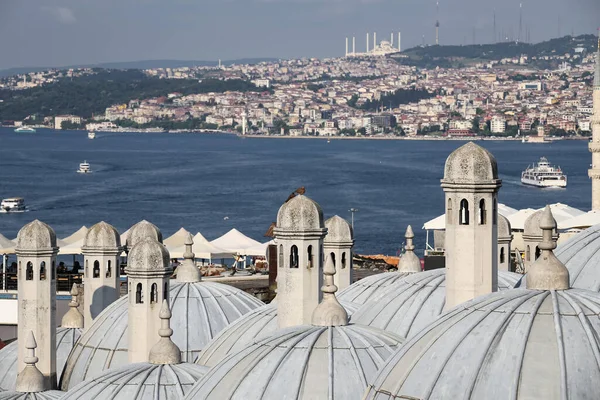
(47, 395)
(411, 302)
(102, 236)
(338, 231)
(36, 236)
(369, 288)
(200, 310)
(144, 256)
(580, 256)
(517, 344)
(65, 340)
(532, 226)
(470, 163)
(298, 214)
(504, 228)
(143, 230)
(140, 381)
(301, 362)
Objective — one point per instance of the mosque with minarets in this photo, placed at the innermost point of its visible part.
(472, 330)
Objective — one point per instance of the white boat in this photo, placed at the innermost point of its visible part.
(544, 175)
(25, 129)
(15, 204)
(84, 168)
(91, 135)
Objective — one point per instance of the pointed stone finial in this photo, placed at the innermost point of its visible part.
(30, 379)
(329, 312)
(187, 270)
(165, 351)
(409, 261)
(547, 272)
(73, 318)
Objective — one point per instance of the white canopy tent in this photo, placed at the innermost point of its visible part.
(177, 239)
(235, 242)
(439, 223)
(75, 237)
(260, 250)
(202, 248)
(7, 246)
(517, 220)
(583, 221)
(561, 212)
(72, 248)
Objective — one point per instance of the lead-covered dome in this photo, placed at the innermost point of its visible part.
(143, 230)
(199, 310)
(301, 362)
(532, 226)
(412, 302)
(298, 214)
(339, 231)
(36, 236)
(504, 228)
(47, 395)
(140, 381)
(65, 340)
(102, 236)
(517, 344)
(470, 163)
(370, 287)
(581, 256)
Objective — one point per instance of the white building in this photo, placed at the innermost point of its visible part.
(59, 119)
(498, 124)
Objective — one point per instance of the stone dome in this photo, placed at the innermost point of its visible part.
(470, 163)
(339, 231)
(414, 301)
(504, 229)
(241, 333)
(580, 254)
(300, 214)
(369, 288)
(65, 340)
(143, 230)
(199, 310)
(36, 236)
(516, 344)
(140, 381)
(102, 236)
(47, 395)
(148, 256)
(532, 226)
(301, 362)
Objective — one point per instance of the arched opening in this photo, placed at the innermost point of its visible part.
(108, 269)
(139, 296)
(482, 212)
(344, 260)
(332, 256)
(294, 257)
(29, 271)
(538, 252)
(309, 256)
(166, 291)
(96, 269)
(87, 272)
(528, 253)
(43, 271)
(495, 212)
(280, 256)
(449, 210)
(53, 270)
(502, 255)
(153, 293)
(464, 212)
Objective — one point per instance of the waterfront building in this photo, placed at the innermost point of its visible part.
(497, 124)
(59, 119)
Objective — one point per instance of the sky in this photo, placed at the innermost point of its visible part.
(50, 33)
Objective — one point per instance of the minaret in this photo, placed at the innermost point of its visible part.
(409, 262)
(338, 247)
(148, 273)
(471, 186)
(374, 40)
(30, 379)
(299, 233)
(101, 250)
(437, 23)
(594, 145)
(353, 46)
(36, 256)
(346, 47)
(329, 312)
(367, 42)
(399, 41)
(73, 318)
(165, 351)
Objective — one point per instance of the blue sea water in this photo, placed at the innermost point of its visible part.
(212, 183)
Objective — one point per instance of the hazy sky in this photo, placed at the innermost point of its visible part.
(66, 32)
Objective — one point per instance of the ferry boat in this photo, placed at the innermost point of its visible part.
(544, 175)
(25, 129)
(84, 168)
(15, 204)
(91, 135)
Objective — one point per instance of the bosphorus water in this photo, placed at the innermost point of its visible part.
(212, 183)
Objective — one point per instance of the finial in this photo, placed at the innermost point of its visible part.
(30, 379)
(409, 261)
(165, 351)
(187, 270)
(73, 318)
(329, 312)
(547, 272)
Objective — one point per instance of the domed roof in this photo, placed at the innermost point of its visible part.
(148, 256)
(504, 229)
(300, 214)
(199, 311)
(369, 288)
(141, 381)
(47, 395)
(143, 230)
(65, 340)
(580, 254)
(517, 344)
(255, 325)
(470, 163)
(301, 362)
(102, 236)
(532, 225)
(36, 236)
(412, 302)
(338, 231)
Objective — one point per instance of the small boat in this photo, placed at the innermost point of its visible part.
(544, 175)
(91, 135)
(25, 129)
(14, 204)
(84, 168)
(523, 140)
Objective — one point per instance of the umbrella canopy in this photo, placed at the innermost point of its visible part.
(78, 235)
(177, 239)
(439, 223)
(202, 248)
(235, 242)
(260, 250)
(7, 246)
(583, 221)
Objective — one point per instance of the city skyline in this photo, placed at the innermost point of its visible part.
(38, 33)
